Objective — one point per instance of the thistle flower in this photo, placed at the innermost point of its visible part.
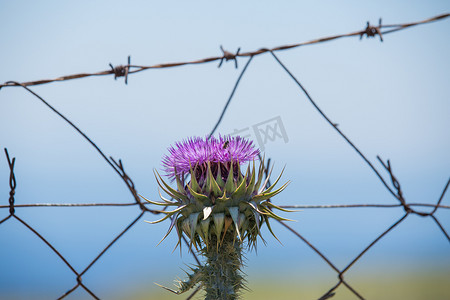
(217, 207)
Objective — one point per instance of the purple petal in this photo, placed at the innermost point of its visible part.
(197, 151)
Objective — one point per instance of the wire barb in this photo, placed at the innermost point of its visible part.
(12, 182)
(229, 56)
(368, 32)
(372, 31)
(121, 70)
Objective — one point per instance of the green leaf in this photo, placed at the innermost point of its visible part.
(193, 218)
(167, 200)
(200, 232)
(186, 227)
(199, 197)
(167, 203)
(240, 191)
(247, 172)
(175, 194)
(194, 184)
(251, 184)
(168, 215)
(234, 212)
(266, 195)
(212, 185)
(240, 178)
(172, 224)
(230, 186)
(173, 211)
(219, 220)
(273, 215)
(261, 189)
(276, 181)
(253, 206)
(180, 186)
(204, 225)
(260, 174)
(219, 179)
(256, 212)
(243, 222)
(266, 218)
(270, 204)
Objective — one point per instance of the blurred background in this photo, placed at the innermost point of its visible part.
(391, 98)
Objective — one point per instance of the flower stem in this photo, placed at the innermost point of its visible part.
(222, 277)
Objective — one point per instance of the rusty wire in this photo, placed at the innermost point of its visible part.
(398, 194)
(116, 166)
(123, 71)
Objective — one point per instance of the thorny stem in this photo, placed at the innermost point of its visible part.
(222, 277)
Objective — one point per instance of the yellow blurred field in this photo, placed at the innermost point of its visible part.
(433, 285)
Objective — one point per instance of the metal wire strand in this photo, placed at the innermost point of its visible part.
(125, 70)
(394, 188)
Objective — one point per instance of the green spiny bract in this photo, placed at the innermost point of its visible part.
(205, 204)
(219, 209)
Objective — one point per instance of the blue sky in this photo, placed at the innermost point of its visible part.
(390, 98)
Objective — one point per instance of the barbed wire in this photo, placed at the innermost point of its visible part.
(125, 70)
(394, 187)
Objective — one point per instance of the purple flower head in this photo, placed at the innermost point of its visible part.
(197, 152)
